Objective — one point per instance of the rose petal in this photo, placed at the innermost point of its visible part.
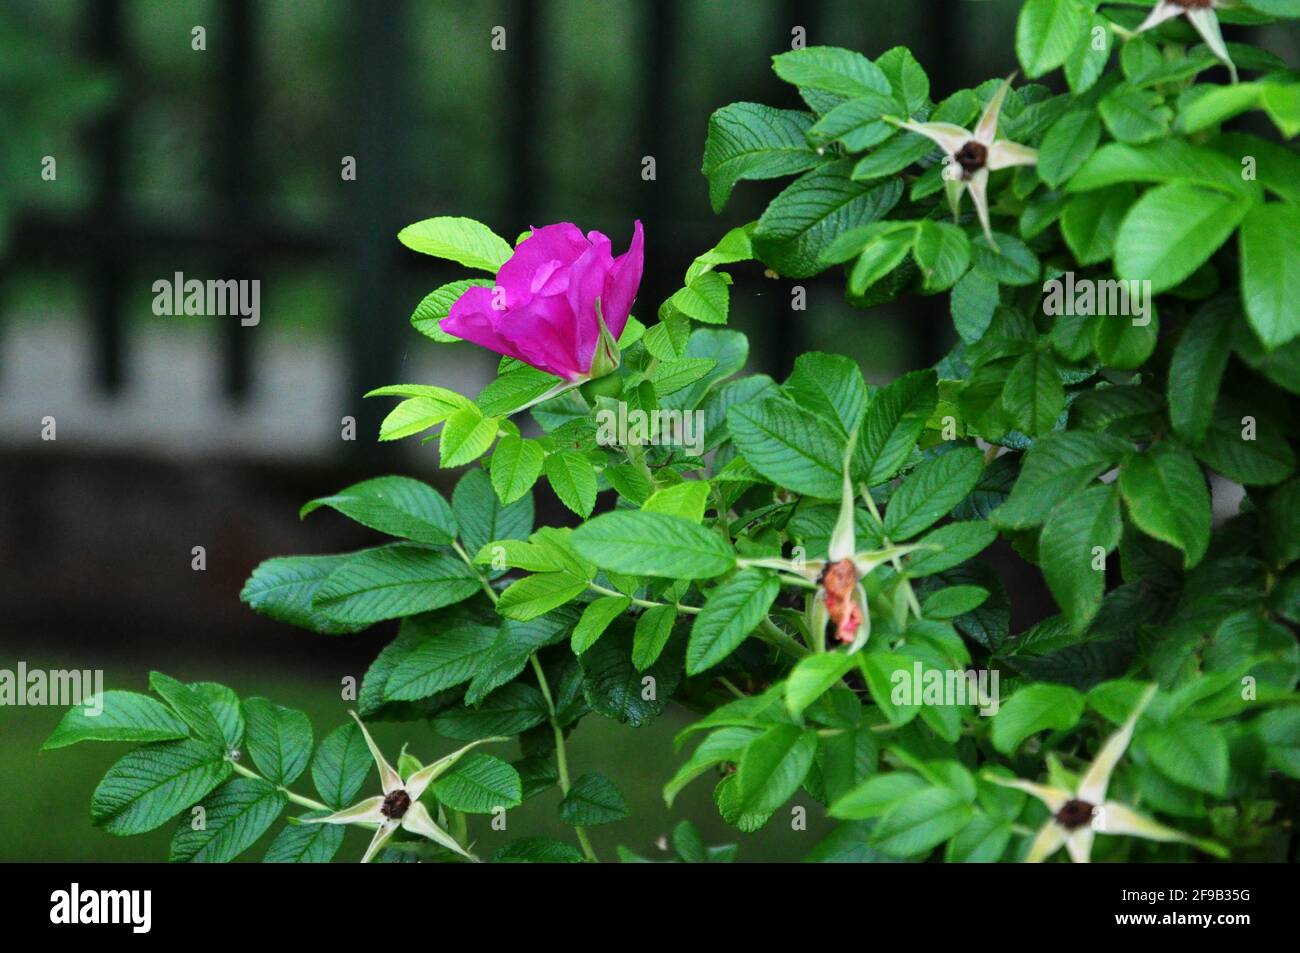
(561, 243)
(472, 318)
(622, 282)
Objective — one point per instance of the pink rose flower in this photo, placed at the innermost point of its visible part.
(543, 310)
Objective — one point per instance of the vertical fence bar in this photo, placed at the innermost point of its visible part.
(521, 94)
(236, 173)
(375, 212)
(656, 202)
(106, 270)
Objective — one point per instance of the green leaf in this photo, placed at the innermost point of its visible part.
(882, 671)
(751, 141)
(516, 643)
(1011, 261)
(235, 816)
(1212, 105)
(832, 70)
(516, 465)
(613, 686)
(573, 479)
(907, 79)
(651, 635)
(509, 710)
(921, 822)
(279, 740)
(1167, 498)
(462, 240)
(442, 659)
(466, 436)
(931, 491)
(952, 601)
(1091, 221)
(479, 784)
(983, 841)
(894, 156)
(726, 745)
(876, 795)
(813, 676)
(592, 800)
(1172, 230)
(154, 783)
(1280, 730)
(856, 123)
(437, 304)
(894, 421)
(1270, 272)
(772, 768)
(482, 517)
(653, 544)
(1047, 31)
(686, 500)
(394, 581)
(225, 708)
(1192, 753)
(537, 850)
(942, 252)
(883, 252)
(1068, 143)
(1197, 367)
(731, 613)
(509, 391)
(831, 386)
(972, 303)
(790, 446)
(1067, 551)
(341, 765)
(1055, 467)
(1165, 161)
(1032, 709)
(1084, 65)
(1252, 451)
(1282, 527)
(596, 618)
(119, 716)
(1034, 395)
(706, 298)
(802, 221)
(396, 505)
(305, 843)
(953, 543)
(283, 589)
(538, 594)
(1135, 115)
(190, 705)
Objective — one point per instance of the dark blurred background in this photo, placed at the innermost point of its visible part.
(225, 162)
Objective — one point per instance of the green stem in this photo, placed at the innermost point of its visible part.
(772, 634)
(637, 456)
(643, 603)
(482, 580)
(895, 562)
(295, 798)
(561, 756)
(726, 683)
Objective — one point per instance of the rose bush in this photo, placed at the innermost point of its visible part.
(810, 583)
